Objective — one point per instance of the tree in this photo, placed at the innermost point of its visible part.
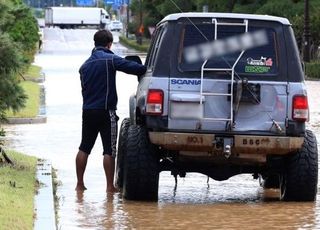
(11, 94)
(153, 14)
(18, 37)
(23, 30)
(150, 14)
(154, 10)
(216, 5)
(175, 6)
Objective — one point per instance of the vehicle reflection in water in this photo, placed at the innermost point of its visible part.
(239, 212)
(235, 204)
(195, 203)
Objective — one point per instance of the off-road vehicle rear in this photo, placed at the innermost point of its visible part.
(224, 94)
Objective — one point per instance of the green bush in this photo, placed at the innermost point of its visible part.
(313, 70)
(133, 44)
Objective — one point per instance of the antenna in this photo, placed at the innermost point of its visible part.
(204, 36)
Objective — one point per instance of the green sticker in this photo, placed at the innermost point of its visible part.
(257, 69)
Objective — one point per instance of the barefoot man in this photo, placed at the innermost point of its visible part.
(98, 82)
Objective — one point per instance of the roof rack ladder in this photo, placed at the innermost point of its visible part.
(229, 70)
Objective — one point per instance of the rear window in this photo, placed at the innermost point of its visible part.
(261, 60)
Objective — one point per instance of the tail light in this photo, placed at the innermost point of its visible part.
(155, 102)
(300, 108)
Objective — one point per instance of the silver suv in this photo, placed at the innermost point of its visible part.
(224, 94)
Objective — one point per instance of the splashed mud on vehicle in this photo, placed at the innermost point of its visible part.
(213, 105)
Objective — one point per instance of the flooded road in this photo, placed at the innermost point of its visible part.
(238, 203)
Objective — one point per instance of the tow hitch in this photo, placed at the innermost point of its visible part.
(225, 144)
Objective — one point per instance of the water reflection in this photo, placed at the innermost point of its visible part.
(145, 215)
(195, 207)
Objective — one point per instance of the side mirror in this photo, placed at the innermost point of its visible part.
(134, 58)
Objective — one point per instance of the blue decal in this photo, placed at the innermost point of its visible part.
(185, 82)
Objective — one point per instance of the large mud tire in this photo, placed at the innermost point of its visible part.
(300, 179)
(141, 174)
(122, 149)
(272, 181)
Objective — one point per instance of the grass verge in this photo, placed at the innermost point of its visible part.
(17, 190)
(31, 108)
(32, 90)
(33, 72)
(133, 44)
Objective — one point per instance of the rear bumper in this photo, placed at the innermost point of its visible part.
(241, 144)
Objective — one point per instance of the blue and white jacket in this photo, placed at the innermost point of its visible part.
(98, 78)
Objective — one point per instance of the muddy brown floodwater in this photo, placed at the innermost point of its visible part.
(238, 203)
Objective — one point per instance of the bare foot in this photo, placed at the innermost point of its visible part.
(80, 196)
(112, 190)
(80, 187)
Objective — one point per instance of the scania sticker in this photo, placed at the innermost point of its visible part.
(262, 62)
(185, 82)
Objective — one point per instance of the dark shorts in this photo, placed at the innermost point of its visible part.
(103, 122)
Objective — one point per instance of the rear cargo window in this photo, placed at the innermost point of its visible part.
(261, 60)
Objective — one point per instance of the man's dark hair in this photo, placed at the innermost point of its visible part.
(102, 38)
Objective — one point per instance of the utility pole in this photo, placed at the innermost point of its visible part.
(205, 8)
(140, 30)
(140, 9)
(306, 33)
(128, 19)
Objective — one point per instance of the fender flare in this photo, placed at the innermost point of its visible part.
(132, 109)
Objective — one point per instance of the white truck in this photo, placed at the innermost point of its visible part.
(74, 17)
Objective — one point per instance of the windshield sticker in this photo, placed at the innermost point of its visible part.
(256, 69)
(262, 62)
(262, 65)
